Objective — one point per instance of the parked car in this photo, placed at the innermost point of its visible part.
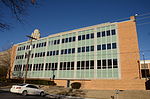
(27, 89)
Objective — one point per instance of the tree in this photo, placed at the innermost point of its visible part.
(17, 8)
(5, 62)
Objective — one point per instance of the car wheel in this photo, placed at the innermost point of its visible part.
(42, 94)
(24, 93)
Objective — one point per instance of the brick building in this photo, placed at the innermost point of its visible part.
(103, 56)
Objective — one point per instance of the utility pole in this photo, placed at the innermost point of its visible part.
(28, 57)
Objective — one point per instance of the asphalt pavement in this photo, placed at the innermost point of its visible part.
(5, 94)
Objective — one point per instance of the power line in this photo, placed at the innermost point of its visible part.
(144, 14)
(143, 18)
(144, 23)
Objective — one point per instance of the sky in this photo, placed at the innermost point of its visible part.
(54, 16)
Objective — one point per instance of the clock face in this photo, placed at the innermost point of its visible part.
(36, 34)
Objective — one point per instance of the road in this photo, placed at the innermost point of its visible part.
(8, 95)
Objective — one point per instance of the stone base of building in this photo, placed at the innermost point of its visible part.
(137, 84)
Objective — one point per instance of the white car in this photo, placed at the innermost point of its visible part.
(27, 89)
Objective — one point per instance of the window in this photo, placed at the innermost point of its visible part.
(87, 64)
(51, 52)
(54, 53)
(63, 40)
(52, 42)
(92, 35)
(87, 36)
(31, 56)
(43, 54)
(46, 67)
(82, 64)
(114, 46)
(57, 52)
(98, 47)
(108, 46)
(98, 34)
(92, 48)
(32, 86)
(103, 33)
(53, 66)
(92, 64)
(66, 40)
(79, 37)
(74, 38)
(58, 41)
(68, 65)
(36, 67)
(83, 37)
(103, 46)
(42, 44)
(55, 42)
(104, 64)
(115, 64)
(108, 33)
(109, 63)
(62, 51)
(113, 32)
(38, 55)
(49, 67)
(145, 73)
(83, 49)
(79, 50)
(72, 65)
(35, 55)
(69, 51)
(65, 51)
(56, 65)
(33, 46)
(87, 48)
(39, 67)
(73, 50)
(39, 44)
(65, 65)
(70, 39)
(98, 64)
(78, 65)
(61, 66)
(42, 66)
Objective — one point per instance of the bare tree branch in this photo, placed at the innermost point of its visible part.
(18, 8)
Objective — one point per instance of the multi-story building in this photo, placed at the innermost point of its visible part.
(103, 56)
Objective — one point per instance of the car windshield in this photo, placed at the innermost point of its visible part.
(21, 84)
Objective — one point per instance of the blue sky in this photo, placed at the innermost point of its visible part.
(54, 16)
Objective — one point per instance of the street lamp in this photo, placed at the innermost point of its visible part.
(28, 56)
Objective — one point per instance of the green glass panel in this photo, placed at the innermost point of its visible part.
(109, 73)
(104, 73)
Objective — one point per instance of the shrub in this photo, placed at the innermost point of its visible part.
(76, 85)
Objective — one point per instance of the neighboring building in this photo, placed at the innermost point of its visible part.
(145, 68)
(103, 56)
